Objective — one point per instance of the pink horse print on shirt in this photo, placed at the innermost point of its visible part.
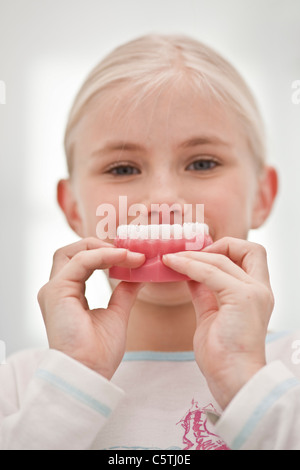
(196, 433)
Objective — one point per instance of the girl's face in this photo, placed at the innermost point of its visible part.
(173, 147)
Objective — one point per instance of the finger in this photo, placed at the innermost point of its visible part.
(123, 297)
(220, 261)
(208, 274)
(251, 257)
(63, 255)
(84, 263)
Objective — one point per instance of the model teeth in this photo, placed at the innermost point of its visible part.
(162, 231)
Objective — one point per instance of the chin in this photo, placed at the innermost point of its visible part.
(162, 293)
(166, 293)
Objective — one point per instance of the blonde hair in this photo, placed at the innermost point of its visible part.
(150, 62)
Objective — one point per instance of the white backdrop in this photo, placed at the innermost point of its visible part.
(46, 50)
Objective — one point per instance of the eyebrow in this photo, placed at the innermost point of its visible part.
(134, 147)
(119, 145)
(203, 140)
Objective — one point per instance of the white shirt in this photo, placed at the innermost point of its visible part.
(155, 400)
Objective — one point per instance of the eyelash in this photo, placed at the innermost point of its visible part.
(212, 164)
(118, 166)
(202, 161)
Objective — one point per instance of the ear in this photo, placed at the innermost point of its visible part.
(266, 193)
(68, 204)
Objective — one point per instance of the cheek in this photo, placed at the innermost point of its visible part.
(104, 210)
(90, 197)
(229, 209)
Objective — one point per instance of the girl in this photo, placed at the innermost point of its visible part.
(178, 365)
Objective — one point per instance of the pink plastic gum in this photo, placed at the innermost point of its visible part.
(153, 269)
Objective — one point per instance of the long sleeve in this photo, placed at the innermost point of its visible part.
(64, 405)
(264, 415)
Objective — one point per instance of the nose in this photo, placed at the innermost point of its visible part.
(165, 201)
(165, 213)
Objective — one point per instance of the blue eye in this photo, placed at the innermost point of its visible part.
(123, 170)
(203, 165)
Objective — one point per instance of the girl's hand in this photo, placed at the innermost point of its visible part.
(233, 302)
(96, 338)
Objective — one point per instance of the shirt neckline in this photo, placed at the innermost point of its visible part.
(173, 356)
(178, 356)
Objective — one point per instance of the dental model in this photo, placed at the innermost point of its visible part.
(155, 241)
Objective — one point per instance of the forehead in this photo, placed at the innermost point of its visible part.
(163, 117)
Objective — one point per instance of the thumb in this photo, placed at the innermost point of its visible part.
(203, 298)
(123, 297)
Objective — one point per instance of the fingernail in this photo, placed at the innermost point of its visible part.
(170, 256)
(135, 254)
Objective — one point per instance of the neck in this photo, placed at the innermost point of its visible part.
(161, 328)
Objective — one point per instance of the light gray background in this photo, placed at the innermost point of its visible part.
(46, 49)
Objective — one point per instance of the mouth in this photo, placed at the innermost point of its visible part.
(154, 241)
